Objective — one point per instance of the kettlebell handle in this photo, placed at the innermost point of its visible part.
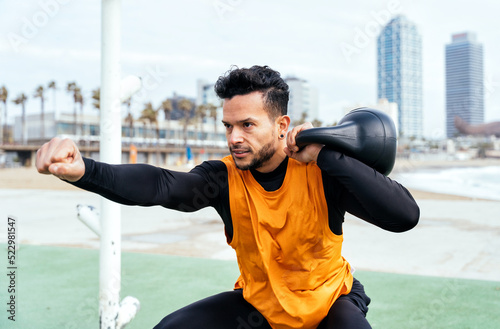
(365, 134)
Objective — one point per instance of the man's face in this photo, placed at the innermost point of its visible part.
(251, 134)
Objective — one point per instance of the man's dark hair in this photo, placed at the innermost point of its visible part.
(244, 81)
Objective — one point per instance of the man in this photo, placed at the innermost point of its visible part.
(282, 210)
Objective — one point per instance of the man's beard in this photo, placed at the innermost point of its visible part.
(264, 155)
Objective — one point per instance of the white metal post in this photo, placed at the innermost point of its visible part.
(110, 152)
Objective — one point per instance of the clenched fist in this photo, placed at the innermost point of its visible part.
(61, 158)
(308, 153)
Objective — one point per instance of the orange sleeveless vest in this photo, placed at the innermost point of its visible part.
(291, 266)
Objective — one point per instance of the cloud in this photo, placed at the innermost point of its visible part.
(192, 39)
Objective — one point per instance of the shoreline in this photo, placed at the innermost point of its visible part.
(433, 167)
(409, 165)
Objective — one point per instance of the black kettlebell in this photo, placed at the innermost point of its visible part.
(365, 134)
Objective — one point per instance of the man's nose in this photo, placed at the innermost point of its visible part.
(236, 136)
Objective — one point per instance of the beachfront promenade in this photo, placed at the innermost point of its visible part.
(457, 238)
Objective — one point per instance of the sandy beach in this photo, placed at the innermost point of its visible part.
(456, 237)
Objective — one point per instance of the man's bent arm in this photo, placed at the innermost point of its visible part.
(370, 195)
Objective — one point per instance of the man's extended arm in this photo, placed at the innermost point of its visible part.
(145, 185)
(129, 184)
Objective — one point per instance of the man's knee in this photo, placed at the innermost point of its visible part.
(180, 320)
(175, 320)
(252, 321)
(344, 314)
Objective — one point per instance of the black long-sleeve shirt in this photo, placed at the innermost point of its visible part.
(349, 185)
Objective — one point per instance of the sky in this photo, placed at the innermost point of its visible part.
(172, 44)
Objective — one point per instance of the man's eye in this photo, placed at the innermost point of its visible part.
(227, 125)
(247, 124)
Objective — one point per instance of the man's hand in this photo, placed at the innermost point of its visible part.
(308, 153)
(61, 158)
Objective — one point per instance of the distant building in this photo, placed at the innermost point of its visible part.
(399, 73)
(464, 81)
(389, 108)
(205, 93)
(33, 128)
(87, 131)
(303, 99)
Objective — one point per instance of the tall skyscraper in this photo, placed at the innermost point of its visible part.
(464, 81)
(399, 73)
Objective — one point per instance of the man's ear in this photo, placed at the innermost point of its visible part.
(283, 123)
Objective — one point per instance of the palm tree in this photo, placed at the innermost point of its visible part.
(317, 123)
(96, 98)
(301, 120)
(3, 98)
(201, 114)
(78, 97)
(129, 118)
(96, 103)
(52, 85)
(39, 93)
(167, 108)
(76, 92)
(71, 89)
(186, 106)
(150, 115)
(21, 100)
(212, 113)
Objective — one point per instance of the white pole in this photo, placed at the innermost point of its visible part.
(110, 152)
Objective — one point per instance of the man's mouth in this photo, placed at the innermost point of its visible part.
(240, 153)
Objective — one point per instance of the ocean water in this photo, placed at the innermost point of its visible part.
(476, 182)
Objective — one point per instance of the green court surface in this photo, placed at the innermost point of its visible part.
(57, 288)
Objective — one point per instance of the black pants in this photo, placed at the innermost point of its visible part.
(228, 310)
